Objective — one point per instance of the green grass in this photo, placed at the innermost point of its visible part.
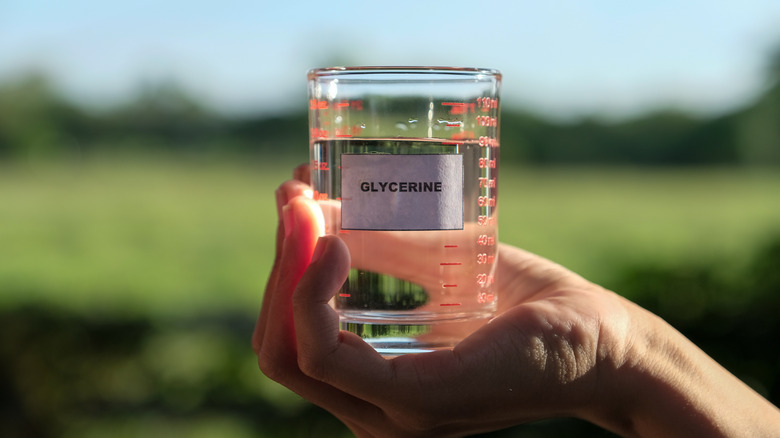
(141, 235)
(597, 221)
(166, 237)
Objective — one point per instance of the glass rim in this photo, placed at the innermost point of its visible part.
(402, 71)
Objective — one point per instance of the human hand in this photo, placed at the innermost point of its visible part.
(560, 346)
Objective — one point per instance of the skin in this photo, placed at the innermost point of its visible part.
(560, 346)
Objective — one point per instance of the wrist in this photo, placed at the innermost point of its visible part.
(655, 382)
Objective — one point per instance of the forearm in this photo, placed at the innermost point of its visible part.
(666, 386)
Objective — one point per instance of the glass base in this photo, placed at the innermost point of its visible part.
(396, 334)
(391, 347)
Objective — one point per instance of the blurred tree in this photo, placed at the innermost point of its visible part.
(163, 117)
(667, 138)
(758, 127)
(277, 136)
(773, 68)
(659, 138)
(35, 122)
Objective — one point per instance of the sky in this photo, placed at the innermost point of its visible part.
(564, 58)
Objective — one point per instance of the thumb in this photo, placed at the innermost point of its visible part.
(303, 224)
(317, 323)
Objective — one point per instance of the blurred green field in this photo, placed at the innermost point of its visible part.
(166, 237)
(129, 288)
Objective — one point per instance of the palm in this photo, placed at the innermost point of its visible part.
(547, 336)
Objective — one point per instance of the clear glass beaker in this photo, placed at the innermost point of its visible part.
(404, 163)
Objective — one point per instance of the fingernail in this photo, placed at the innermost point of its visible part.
(288, 219)
(319, 219)
(319, 249)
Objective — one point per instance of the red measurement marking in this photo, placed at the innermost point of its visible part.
(344, 231)
(316, 132)
(450, 264)
(487, 121)
(488, 142)
(463, 135)
(486, 201)
(449, 285)
(345, 295)
(450, 304)
(486, 221)
(343, 135)
(459, 107)
(451, 124)
(487, 103)
(486, 163)
(315, 104)
(486, 240)
(342, 104)
(487, 183)
(319, 165)
(450, 246)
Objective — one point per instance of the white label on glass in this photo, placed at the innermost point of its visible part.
(401, 192)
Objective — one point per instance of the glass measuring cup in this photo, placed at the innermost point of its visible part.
(404, 163)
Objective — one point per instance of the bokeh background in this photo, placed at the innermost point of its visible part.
(141, 141)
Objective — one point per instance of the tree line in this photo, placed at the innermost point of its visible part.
(37, 122)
